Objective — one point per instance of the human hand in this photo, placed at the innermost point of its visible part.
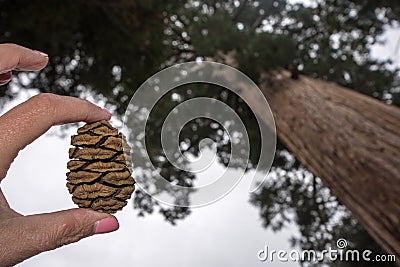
(22, 237)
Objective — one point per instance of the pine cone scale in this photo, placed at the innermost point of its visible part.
(100, 174)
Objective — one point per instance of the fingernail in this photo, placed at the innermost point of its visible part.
(107, 112)
(41, 53)
(106, 225)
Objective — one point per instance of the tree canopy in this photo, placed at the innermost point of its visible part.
(106, 49)
(112, 47)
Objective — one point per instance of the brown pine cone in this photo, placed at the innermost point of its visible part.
(99, 176)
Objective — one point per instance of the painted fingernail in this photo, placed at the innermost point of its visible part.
(107, 112)
(106, 225)
(41, 53)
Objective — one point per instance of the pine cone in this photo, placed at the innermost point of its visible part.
(99, 176)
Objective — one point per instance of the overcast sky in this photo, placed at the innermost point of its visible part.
(226, 233)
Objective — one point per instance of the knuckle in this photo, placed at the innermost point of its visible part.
(45, 99)
(70, 230)
(45, 102)
(66, 234)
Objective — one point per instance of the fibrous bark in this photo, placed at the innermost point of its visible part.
(349, 140)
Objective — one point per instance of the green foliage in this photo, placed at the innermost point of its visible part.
(112, 47)
(334, 40)
(106, 49)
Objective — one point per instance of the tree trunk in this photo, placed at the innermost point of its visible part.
(350, 141)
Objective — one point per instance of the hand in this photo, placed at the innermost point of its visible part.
(21, 236)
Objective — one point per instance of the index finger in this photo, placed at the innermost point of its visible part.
(16, 57)
(29, 120)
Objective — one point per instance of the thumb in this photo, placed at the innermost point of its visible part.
(26, 236)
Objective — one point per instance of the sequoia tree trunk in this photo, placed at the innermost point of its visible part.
(349, 140)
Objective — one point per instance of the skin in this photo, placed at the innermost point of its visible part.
(22, 236)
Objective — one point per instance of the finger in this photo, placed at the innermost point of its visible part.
(24, 237)
(29, 120)
(5, 77)
(15, 57)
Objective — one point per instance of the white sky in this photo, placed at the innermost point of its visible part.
(391, 48)
(227, 233)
